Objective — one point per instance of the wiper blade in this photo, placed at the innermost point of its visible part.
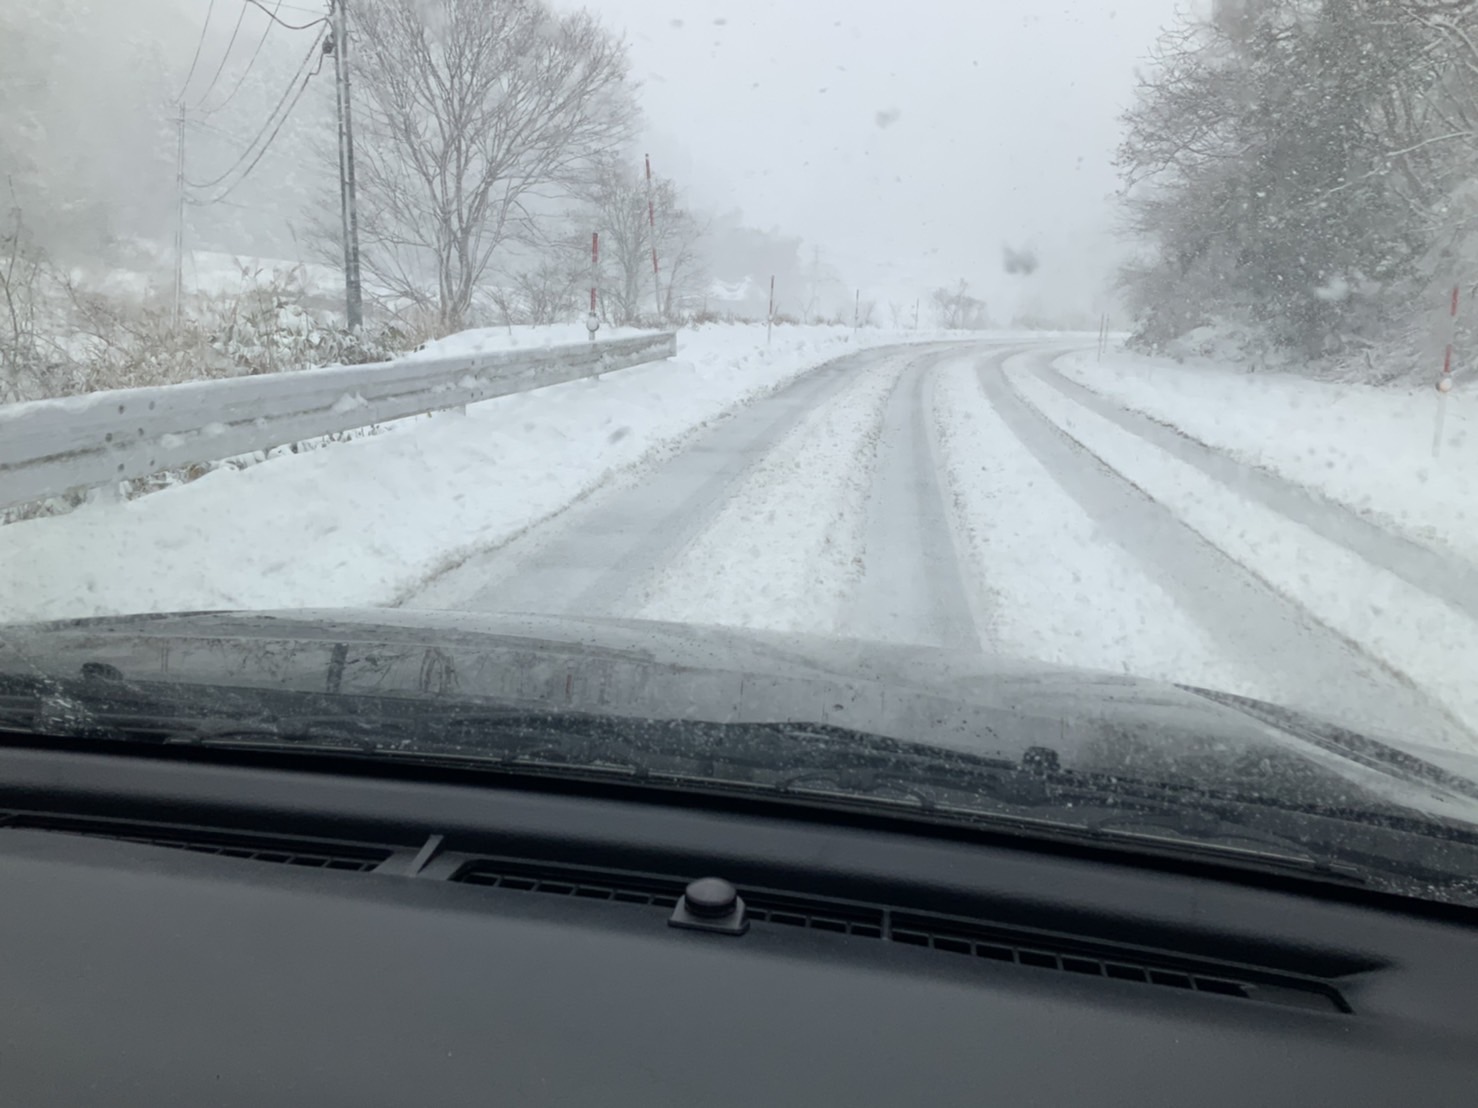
(817, 763)
(1177, 830)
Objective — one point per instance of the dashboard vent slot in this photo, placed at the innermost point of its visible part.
(311, 853)
(586, 884)
(837, 917)
(1044, 950)
(945, 934)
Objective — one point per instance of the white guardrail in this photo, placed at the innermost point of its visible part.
(48, 447)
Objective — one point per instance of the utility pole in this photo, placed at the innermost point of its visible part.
(652, 227)
(179, 218)
(353, 291)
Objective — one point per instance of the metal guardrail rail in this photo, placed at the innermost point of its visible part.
(48, 447)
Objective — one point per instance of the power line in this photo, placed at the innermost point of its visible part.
(275, 130)
(198, 47)
(262, 153)
(251, 62)
(290, 26)
(241, 16)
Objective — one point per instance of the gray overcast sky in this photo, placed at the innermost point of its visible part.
(1006, 122)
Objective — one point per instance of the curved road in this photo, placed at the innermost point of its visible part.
(916, 580)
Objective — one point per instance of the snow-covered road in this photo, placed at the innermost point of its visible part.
(966, 497)
(1003, 493)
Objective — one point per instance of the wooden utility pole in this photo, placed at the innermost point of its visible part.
(179, 219)
(353, 290)
(652, 230)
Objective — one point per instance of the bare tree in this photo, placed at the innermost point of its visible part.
(21, 356)
(549, 289)
(615, 201)
(958, 310)
(476, 114)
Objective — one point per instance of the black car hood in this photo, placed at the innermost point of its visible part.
(1094, 722)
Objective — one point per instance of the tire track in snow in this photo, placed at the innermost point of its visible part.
(786, 550)
(1199, 541)
(586, 560)
(1058, 591)
(916, 585)
(1451, 580)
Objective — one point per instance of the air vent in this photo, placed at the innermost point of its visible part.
(836, 917)
(945, 934)
(624, 888)
(1064, 954)
(312, 853)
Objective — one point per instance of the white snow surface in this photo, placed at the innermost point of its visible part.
(484, 340)
(365, 521)
(1058, 591)
(1418, 636)
(1370, 448)
(784, 552)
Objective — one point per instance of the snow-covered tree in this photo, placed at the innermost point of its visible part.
(1273, 165)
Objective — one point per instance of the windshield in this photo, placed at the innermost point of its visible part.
(1082, 393)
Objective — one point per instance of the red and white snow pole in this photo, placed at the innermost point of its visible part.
(652, 226)
(1444, 381)
(770, 316)
(592, 321)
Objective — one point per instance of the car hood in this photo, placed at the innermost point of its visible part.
(1105, 724)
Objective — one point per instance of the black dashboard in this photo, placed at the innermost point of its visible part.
(202, 928)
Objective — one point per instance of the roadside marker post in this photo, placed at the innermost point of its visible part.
(592, 321)
(770, 317)
(1444, 381)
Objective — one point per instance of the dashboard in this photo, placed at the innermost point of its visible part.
(209, 927)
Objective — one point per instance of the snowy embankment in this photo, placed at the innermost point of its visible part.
(1328, 437)
(1368, 448)
(363, 522)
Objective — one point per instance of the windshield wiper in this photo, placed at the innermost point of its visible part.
(813, 763)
